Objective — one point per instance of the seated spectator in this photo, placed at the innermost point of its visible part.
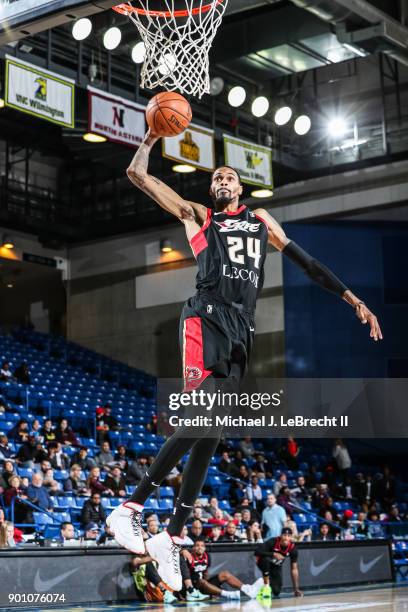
(239, 460)
(281, 482)
(3, 536)
(94, 484)
(92, 531)
(76, 483)
(215, 534)
(93, 511)
(65, 435)
(375, 528)
(361, 525)
(305, 535)
(254, 533)
(35, 431)
(20, 432)
(347, 525)
(163, 426)
(10, 530)
(38, 494)
(50, 483)
(5, 450)
(116, 482)
(109, 423)
(104, 459)
(137, 469)
(261, 467)
(81, 458)
(213, 507)
(4, 407)
(285, 500)
(48, 431)
(173, 479)
(325, 534)
(8, 470)
(394, 515)
(327, 504)
(5, 372)
(196, 530)
(186, 540)
(152, 526)
(67, 532)
(301, 493)
(254, 493)
(204, 512)
(56, 456)
(198, 514)
(123, 457)
(246, 518)
(17, 533)
(22, 373)
(230, 533)
(245, 505)
(218, 519)
(227, 465)
(247, 447)
(22, 513)
(27, 454)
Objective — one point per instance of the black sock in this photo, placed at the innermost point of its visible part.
(193, 479)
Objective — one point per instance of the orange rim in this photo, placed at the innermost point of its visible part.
(127, 9)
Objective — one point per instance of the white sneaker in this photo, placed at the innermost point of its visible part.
(252, 590)
(195, 595)
(231, 594)
(126, 524)
(169, 598)
(165, 549)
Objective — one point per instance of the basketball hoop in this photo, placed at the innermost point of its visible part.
(177, 35)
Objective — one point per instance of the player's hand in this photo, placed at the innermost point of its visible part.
(365, 315)
(297, 593)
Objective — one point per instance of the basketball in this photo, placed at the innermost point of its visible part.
(168, 114)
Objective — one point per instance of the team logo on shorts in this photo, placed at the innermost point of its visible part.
(193, 373)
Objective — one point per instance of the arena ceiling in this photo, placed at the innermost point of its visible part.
(316, 55)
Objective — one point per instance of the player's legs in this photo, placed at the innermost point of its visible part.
(212, 587)
(275, 579)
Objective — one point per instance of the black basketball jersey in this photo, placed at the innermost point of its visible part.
(230, 250)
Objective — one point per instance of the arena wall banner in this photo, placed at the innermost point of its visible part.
(57, 576)
(253, 162)
(115, 118)
(195, 146)
(39, 92)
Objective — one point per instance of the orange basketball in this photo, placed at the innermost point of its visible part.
(168, 114)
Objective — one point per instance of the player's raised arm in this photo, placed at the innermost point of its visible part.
(318, 272)
(159, 191)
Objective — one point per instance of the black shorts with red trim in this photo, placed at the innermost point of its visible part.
(216, 340)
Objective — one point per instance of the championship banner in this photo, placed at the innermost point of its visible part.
(253, 162)
(194, 146)
(39, 92)
(115, 118)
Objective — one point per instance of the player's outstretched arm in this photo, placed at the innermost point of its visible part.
(159, 191)
(318, 272)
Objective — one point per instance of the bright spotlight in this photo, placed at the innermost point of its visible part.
(112, 38)
(82, 28)
(2, 103)
(167, 64)
(302, 125)
(183, 168)
(260, 106)
(283, 115)
(262, 193)
(236, 96)
(337, 127)
(139, 52)
(94, 138)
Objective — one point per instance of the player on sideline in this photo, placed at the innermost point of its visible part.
(216, 332)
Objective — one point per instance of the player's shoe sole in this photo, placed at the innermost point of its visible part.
(126, 524)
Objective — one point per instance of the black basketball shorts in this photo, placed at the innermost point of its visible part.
(216, 340)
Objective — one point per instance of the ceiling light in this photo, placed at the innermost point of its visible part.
(139, 52)
(262, 193)
(95, 138)
(337, 127)
(9, 285)
(216, 86)
(184, 168)
(82, 28)
(260, 106)
(7, 242)
(165, 245)
(283, 115)
(302, 125)
(236, 96)
(112, 38)
(2, 103)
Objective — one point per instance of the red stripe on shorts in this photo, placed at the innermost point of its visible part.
(194, 372)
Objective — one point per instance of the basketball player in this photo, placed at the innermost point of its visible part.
(270, 559)
(217, 329)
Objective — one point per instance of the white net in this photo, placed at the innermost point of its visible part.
(177, 47)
